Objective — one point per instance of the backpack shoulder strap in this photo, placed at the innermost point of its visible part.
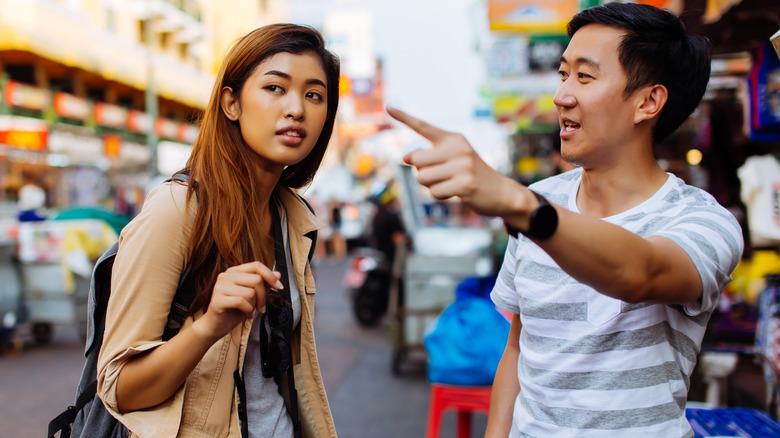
(180, 307)
(99, 290)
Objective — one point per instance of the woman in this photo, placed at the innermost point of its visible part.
(264, 132)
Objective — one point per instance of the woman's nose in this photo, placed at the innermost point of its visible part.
(293, 106)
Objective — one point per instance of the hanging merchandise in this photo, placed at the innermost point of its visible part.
(768, 329)
(764, 88)
(760, 192)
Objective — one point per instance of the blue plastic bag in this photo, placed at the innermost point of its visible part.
(465, 342)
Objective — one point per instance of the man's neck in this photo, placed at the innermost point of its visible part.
(605, 192)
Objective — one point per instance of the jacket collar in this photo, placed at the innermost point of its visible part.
(299, 218)
(301, 224)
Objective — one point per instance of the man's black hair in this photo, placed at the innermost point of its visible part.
(656, 50)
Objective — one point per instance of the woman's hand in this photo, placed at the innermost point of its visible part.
(237, 293)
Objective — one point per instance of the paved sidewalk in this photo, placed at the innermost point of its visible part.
(366, 399)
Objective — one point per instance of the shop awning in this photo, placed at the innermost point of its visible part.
(67, 38)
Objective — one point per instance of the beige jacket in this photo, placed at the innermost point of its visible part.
(145, 276)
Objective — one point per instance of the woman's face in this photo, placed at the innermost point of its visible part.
(283, 107)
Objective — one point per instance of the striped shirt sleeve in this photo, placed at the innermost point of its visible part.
(712, 238)
(504, 293)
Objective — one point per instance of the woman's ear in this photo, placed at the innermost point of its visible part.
(229, 103)
(653, 100)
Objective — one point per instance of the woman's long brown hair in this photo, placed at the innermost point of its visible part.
(221, 166)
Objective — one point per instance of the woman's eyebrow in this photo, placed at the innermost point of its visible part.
(313, 81)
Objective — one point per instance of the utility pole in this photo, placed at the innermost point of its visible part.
(151, 96)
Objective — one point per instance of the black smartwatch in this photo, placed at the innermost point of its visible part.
(543, 222)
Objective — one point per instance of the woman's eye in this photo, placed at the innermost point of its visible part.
(314, 95)
(274, 88)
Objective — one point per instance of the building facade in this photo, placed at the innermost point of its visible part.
(98, 96)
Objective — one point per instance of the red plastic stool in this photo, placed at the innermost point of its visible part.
(464, 399)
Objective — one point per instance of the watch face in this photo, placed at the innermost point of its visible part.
(544, 222)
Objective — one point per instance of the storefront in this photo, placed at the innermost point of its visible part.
(82, 153)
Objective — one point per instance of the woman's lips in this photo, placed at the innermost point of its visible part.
(291, 136)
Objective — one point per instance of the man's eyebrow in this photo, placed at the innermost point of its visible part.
(583, 60)
(313, 81)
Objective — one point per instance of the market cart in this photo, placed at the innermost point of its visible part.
(11, 300)
(426, 275)
(428, 287)
(54, 261)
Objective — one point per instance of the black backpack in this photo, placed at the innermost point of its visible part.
(89, 417)
(89, 413)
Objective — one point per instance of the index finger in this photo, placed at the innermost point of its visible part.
(421, 127)
(271, 277)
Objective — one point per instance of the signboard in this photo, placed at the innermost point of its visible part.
(24, 96)
(32, 140)
(509, 57)
(112, 144)
(70, 106)
(138, 122)
(75, 143)
(109, 115)
(544, 53)
(187, 133)
(166, 128)
(172, 156)
(132, 153)
(531, 16)
(524, 111)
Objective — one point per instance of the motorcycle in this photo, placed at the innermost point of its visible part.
(367, 281)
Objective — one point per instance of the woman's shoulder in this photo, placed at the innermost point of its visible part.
(169, 198)
(165, 207)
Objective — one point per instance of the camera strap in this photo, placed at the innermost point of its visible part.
(281, 266)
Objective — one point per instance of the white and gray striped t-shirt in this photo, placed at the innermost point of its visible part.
(594, 366)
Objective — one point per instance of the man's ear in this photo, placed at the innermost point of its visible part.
(229, 103)
(653, 100)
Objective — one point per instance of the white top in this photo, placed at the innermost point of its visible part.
(594, 366)
(266, 414)
(760, 191)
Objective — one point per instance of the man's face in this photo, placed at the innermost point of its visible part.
(596, 119)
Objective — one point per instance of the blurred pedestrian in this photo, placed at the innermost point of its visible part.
(387, 228)
(263, 134)
(612, 281)
(337, 243)
(32, 199)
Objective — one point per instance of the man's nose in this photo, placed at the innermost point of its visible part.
(563, 96)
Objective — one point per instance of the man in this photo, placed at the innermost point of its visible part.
(611, 281)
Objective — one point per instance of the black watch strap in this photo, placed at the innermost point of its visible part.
(541, 225)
